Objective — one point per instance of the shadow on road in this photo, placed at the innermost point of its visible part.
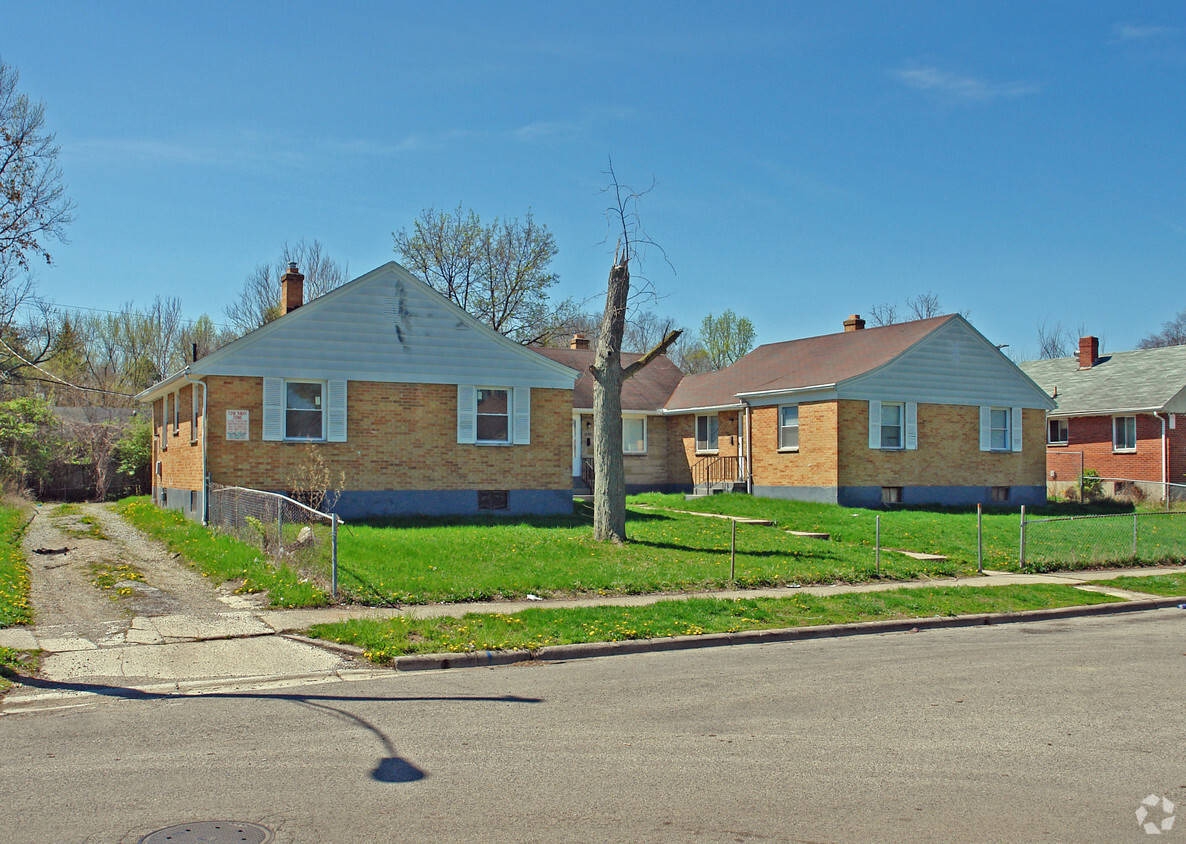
(390, 768)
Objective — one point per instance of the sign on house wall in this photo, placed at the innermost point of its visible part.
(237, 424)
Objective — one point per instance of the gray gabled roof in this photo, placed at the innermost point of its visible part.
(1145, 380)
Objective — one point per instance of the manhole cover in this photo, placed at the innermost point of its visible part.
(210, 832)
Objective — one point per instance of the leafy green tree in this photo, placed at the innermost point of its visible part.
(133, 450)
(28, 440)
(726, 338)
(498, 272)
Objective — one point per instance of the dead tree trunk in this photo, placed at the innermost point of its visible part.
(609, 471)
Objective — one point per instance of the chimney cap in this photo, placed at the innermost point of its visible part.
(854, 323)
(292, 267)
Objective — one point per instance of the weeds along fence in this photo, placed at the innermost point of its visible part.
(1090, 540)
(286, 529)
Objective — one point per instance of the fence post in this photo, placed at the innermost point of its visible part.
(1021, 547)
(1134, 536)
(334, 553)
(979, 539)
(279, 527)
(733, 551)
(877, 544)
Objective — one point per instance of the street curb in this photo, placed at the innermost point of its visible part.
(586, 650)
(325, 644)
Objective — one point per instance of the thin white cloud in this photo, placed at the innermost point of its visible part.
(957, 86)
(1139, 32)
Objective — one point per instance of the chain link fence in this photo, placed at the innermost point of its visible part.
(1091, 540)
(283, 527)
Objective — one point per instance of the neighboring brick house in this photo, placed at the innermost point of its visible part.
(923, 412)
(1118, 414)
(644, 427)
(425, 409)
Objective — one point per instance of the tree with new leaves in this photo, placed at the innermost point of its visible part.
(498, 272)
(609, 476)
(259, 300)
(726, 338)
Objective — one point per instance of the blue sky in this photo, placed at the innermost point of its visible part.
(1023, 161)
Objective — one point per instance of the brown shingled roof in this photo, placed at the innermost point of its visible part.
(647, 390)
(796, 364)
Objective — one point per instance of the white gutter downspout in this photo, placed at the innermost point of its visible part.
(1165, 476)
(205, 428)
(749, 451)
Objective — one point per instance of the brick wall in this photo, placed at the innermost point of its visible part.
(181, 461)
(948, 451)
(400, 437)
(1092, 435)
(681, 443)
(649, 468)
(814, 464)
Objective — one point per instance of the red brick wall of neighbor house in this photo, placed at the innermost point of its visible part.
(400, 437)
(815, 464)
(681, 443)
(181, 462)
(948, 451)
(1092, 435)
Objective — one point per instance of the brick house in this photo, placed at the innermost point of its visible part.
(924, 412)
(424, 408)
(1116, 414)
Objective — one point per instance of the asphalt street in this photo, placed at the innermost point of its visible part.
(1049, 731)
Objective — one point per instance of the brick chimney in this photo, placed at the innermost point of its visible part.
(854, 323)
(1089, 352)
(579, 341)
(292, 289)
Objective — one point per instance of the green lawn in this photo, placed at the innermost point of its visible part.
(952, 531)
(1169, 585)
(429, 560)
(222, 558)
(14, 568)
(385, 639)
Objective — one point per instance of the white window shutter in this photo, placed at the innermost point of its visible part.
(985, 428)
(522, 414)
(165, 422)
(467, 411)
(335, 429)
(912, 425)
(1015, 428)
(273, 409)
(874, 424)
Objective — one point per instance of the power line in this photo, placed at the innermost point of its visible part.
(117, 313)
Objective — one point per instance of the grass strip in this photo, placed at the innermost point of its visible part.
(385, 639)
(14, 663)
(413, 561)
(14, 568)
(1169, 585)
(222, 558)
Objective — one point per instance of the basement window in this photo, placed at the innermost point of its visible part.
(999, 494)
(493, 499)
(891, 495)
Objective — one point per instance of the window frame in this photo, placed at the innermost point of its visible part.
(1117, 448)
(194, 416)
(783, 428)
(1007, 430)
(711, 445)
(634, 418)
(509, 415)
(901, 426)
(1063, 426)
(285, 409)
(177, 413)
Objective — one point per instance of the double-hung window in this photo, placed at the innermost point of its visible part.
(1124, 433)
(1056, 432)
(634, 435)
(304, 410)
(892, 419)
(494, 415)
(706, 433)
(788, 427)
(999, 437)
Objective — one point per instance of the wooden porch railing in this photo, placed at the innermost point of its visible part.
(587, 472)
